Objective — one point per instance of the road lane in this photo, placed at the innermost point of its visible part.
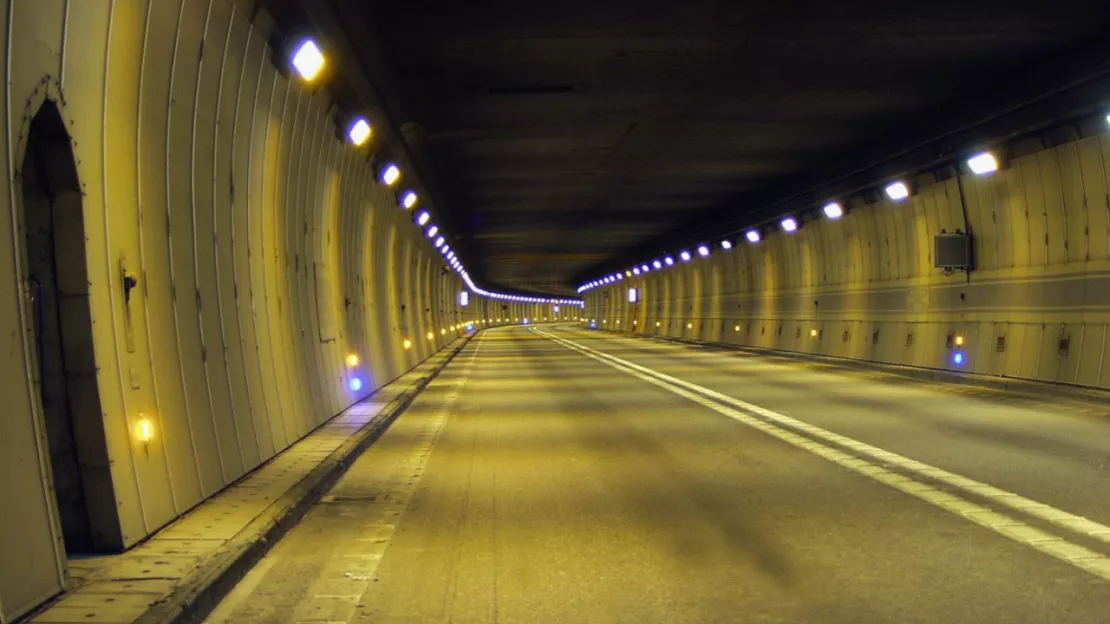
(1046, 450)
(532, 484)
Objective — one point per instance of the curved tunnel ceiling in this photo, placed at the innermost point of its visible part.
(563, 137)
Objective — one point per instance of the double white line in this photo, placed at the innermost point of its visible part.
(872, 462)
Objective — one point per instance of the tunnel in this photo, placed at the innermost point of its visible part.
(625, 311)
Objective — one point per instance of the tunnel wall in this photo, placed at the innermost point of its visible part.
(263, 249)
(864, 287)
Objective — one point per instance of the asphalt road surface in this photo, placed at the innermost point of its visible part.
(555, 474)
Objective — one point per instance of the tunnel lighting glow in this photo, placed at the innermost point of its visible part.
(359, 132)
(352, 360)
(897, 191)
(439, 242)
(669, 261)
(752, 236)
(657, 323)
(813, 333)
(633, 295)
(703, 250)
(423, 217)
(685, 255)
(526, 320)
(390, 174)
(959, 341)
(658, 264)
(593, 324)
(636, 271)
(644, 268)
(431, 336)
(982, 163)
(628, 273)
(443, 332)
(464, 298)
(958, 358)
(355, 384)
(789, 224)
(407, 344)
(308, 60)
(726, 245)
(408, 200)
(433, 230)
(737, 328)
(833, 210)
(689, 326)
(144, 429)
(1108, 119)
(556, 308)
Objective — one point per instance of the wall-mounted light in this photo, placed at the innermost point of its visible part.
(685, 255)
(308, 60)
(982, 163)
(752, 236)
(703, 250)
(958, 358)
(422, 217)
(439, 242)
(897, 191)
(669, 261)
(390, 174)
(358, 133)
(813, 333)
(355, 384)
(658, 264)
(352, 360)
(433, 230)
(633, 295)
(407, 344)
(959, 341)
(464, 298)
(833, 210)
(636, 271)
(144, 429)
(431, 336)
(789, 224)
(409, 199)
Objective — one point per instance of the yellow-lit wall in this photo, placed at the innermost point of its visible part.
(265, 253)
(1037, 306)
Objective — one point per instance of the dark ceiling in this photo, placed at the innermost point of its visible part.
(558, 138)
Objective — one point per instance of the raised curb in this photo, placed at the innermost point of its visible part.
(202, 590)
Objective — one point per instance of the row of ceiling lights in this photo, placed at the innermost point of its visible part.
(982, 163)
(309, 61)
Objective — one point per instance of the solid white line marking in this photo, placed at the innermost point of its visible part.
(1053, 545)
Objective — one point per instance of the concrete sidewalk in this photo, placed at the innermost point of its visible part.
(183, 570)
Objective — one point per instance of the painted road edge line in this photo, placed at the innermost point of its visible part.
(1012, 528)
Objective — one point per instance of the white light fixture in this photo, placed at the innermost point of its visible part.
(644, 268)
(432, 230)
(636, 271)
(752, 236)
(726, 245)
(308, 60)
(464, 298)
(658, 265)
(669, 261)
(982, 163)
(423, 217)
(685, 255)
(897, 191)
(359, 132)
(408, 200)
(833, 210)
(703, 250)
(439, 242)
(633, 295)
(789, 224)
(390, 174)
